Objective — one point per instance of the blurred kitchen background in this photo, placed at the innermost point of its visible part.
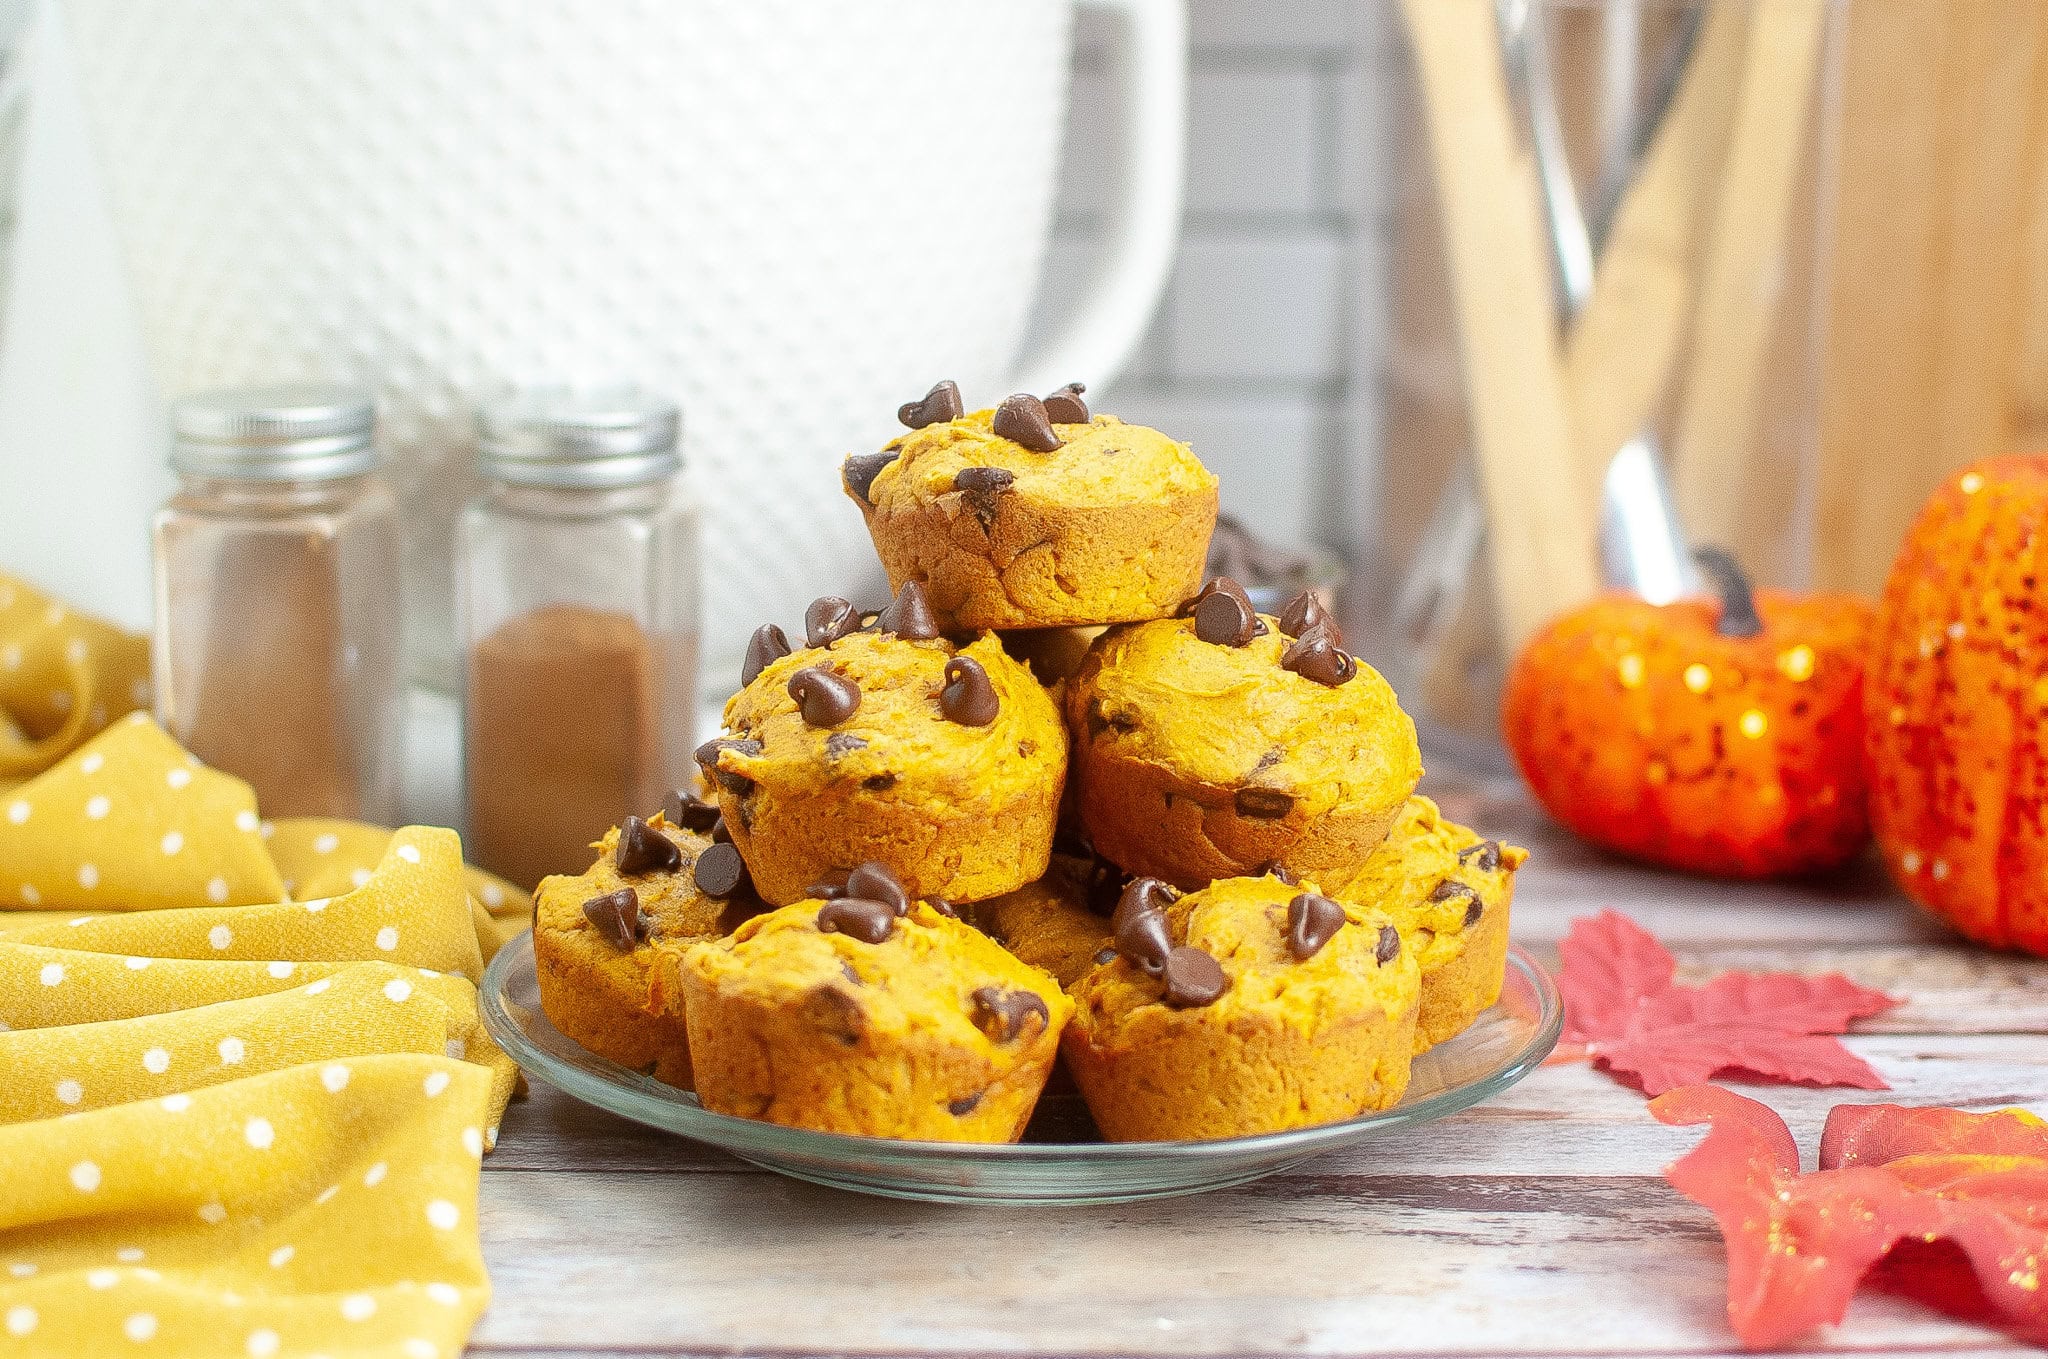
(1856, 269)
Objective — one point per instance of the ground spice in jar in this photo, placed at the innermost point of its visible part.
(564, 736)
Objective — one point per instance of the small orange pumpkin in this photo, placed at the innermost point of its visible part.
(1718, 737)
(1958, 706)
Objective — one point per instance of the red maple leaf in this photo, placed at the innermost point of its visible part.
(1622, 1004)
(1953, 1205)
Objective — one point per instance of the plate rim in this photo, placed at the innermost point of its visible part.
(748, 1138)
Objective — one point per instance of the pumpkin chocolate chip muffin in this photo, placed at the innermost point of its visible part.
(867, 1013)
(882, 740)
(1447, 890)
(1218, 743)
(1253, 1005)
(593, 933)
(1035, 514)
(1059, 923)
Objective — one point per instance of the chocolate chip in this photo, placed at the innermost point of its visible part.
(1142, 939)
(1264, 804)
(858, 917)
(1474, 911)
(1389, 946)
(1002, 1014)
(1316, 656)
(1140, 896)
(1304, 613)
(965, 1105)
(768, 644)
(720, 870)
(686, 809)
(846, 971)
(968, 697)
(943, 907)
(942, 402)
(833, 1011)
(1450, 889)
(721, 834)
(1221, 620)
(1107, 955)
(829, 619)
(1022, 420)
(824, 697)
(875, 882)
(909, 615)
(1220, 585)
(643, 849)
(617, 917)
(860, 470)
(1065, 406)
(833, 885)
(707, 756)
(984, 480)
(1193, 978)
(983, 487)
(1485, 856)
(879, 783)
(1312, 921)
(1273, 868)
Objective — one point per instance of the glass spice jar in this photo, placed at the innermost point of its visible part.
(275, 650)
(577, 615)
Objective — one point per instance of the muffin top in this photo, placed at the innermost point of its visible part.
(1278, 960)
(1234, 716)
(1435, 878)
(1099, 463)
(664, 886)
(879, 707)
(929, 974)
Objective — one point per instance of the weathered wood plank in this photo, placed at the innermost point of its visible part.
(1326, 1264)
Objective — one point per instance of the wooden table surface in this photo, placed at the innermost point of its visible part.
(1536, 1224)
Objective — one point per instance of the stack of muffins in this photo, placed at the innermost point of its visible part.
(1059, 802)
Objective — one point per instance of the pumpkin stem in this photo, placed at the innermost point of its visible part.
(1738, 601)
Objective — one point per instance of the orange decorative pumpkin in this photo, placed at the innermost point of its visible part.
(1718, 737)
(1958, 706)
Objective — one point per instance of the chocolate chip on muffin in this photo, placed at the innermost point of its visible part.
(684, 808)
(968, 697)
(1312, 921)
(824, 697)
(1003, 1014)
(1065, 406)
(1022, 420)
(764, 648)
(617, 916)
(939, 404)
(858, 918)
(860, 470)
(643, 849)
(828, 619)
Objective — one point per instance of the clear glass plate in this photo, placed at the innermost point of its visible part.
(1507, 1043)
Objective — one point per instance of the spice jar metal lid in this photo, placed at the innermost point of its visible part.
(617, 437)
(298, 432)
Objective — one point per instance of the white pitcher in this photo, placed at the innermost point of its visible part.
(792, 214)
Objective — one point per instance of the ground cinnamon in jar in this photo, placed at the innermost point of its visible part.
(564, 733)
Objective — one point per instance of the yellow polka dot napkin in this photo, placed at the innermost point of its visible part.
(63, 676)
(130, 822)
(327, 1208)
(322, 857)
(243, 1084)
